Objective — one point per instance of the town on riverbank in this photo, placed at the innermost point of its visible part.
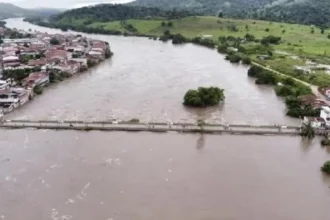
(30, 61)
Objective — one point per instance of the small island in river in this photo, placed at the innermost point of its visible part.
(204, 97)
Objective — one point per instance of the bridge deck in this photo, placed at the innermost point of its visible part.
(152, 127)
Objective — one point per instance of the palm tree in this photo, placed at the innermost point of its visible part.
(308, 131)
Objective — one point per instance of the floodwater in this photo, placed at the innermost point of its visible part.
(70, 175)
(62, 175)
(147, 80)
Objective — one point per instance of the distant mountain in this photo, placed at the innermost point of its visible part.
(315, 12)
(236, 8)
(8, 10)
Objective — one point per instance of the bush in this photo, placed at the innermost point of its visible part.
(234, 58)
(266, 78)
(326, 167)
(270, 40)
(246, 60)
(222, 48)
(178, 39)
(254, 71)
(249, 37)
(204, 42)
(54, 41)
(203, 97)
(91, 63)
(134, 121)
(285, 91)
(38, 90)
(325, 142)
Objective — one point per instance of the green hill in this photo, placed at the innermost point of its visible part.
(292, 11)
(208, 7)
(117, 12)
(297, 11)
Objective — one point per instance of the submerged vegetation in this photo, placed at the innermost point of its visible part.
(326, 167)
(204, 97)
(307, 131)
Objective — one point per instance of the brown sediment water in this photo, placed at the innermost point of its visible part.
(144, 176)
(61, 175)
(147, 80)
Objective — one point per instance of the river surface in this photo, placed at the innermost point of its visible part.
(70, 175)
(145, 176)
(147, 80)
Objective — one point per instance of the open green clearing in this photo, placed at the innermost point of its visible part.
(299, 43)
(299, 36)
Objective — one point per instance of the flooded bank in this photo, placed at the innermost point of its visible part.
(147, 80)
(61, 175)
(95, 175)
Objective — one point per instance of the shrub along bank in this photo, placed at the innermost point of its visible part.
(288, 88)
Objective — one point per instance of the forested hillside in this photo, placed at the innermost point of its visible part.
(109, 12)
(237, 8)
(315, 12)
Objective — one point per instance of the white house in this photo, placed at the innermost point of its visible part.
(325, 115)
(315, 122)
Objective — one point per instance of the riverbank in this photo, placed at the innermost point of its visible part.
(33, 60)
(301, 53)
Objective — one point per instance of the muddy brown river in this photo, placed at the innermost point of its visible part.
(70, 175)
(147, 80)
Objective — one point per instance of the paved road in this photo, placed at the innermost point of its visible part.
(313, 87)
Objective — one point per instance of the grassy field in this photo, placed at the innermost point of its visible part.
(297, 40)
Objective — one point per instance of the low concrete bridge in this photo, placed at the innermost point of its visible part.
(152, 127)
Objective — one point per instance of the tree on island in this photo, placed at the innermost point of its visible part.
(326, 167)
(204, 97)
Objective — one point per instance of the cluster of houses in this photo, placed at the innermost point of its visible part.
(323, 120)
(39, 57)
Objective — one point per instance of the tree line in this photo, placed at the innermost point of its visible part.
(117, 12)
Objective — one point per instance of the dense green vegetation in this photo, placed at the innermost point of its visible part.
(325, 142)
(326, 167)
(307, 131)
(203, 97)
(288, 88)
(297, 11)
(118, 12)
(19, 74)
(236, 8)
(291, 11)
(38, 90)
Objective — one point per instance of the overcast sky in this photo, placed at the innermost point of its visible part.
(59, 3)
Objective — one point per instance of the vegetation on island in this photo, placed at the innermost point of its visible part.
(204, 97)
(326, 167)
